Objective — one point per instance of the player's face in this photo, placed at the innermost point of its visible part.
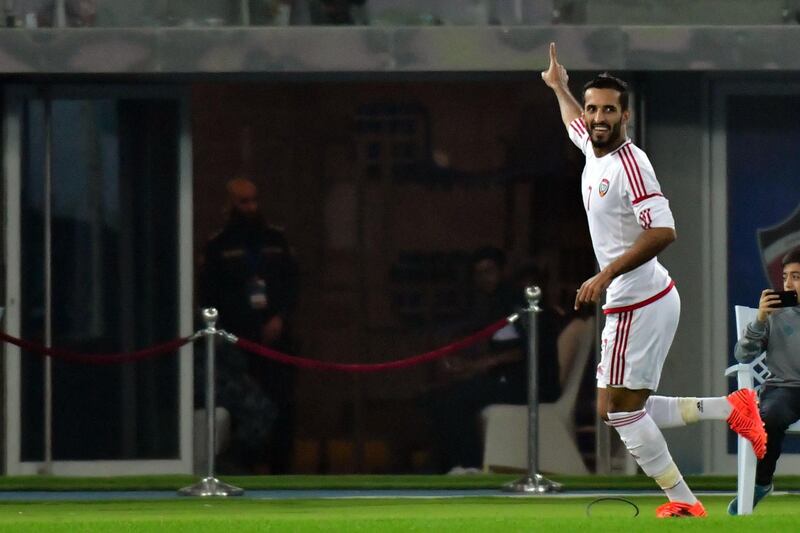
(604, 117)
(791, 277)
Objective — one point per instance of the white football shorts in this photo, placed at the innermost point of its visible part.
(635, 343)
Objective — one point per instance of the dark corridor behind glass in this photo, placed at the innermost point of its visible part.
(114, 263)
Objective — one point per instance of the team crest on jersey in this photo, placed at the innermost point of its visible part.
(603, 189)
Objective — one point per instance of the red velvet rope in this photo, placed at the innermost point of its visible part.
(96, 359)
(257, 349)
(314, 364)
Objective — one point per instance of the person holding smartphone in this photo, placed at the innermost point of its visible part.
(776, 330)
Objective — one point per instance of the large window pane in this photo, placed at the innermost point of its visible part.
(114, 264)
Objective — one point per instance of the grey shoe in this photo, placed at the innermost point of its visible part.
(759, 492)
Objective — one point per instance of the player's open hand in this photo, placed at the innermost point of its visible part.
(556, 75)
(766, 305)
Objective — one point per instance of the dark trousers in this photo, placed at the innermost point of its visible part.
(780, 407)
(455, 413)
(278, 380)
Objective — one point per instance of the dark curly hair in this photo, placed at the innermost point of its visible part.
(791, 257)
(607, 81)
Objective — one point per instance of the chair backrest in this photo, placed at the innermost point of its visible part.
(745, 315)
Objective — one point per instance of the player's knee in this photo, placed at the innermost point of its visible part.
(619, 405)
(625, 402)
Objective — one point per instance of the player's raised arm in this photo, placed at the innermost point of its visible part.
(556, 78)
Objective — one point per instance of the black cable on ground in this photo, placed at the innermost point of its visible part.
(615, 499)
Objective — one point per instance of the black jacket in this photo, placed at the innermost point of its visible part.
(234, 258)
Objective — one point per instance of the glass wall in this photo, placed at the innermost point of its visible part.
(214, 13)
(387, 193)
(114, 230)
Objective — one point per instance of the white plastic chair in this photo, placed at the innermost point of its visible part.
(506, 425)
(748, 376)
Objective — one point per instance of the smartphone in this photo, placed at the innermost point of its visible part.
(788, 298)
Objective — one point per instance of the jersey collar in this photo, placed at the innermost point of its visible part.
(617, 149)
(620, 147)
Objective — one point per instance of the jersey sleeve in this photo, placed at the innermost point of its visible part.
(649, 204)
(578, 134)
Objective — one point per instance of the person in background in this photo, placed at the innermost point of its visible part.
(495, 371)
(776, 330)
(77, 13)
(250, 276)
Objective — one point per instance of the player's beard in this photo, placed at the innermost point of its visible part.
(614, 135)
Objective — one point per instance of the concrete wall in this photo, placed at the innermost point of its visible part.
(675, 134)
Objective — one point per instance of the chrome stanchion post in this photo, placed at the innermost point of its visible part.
(533, 483)
(210, 485)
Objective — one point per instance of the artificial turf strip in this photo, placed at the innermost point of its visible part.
(776, 513)
(363, 482)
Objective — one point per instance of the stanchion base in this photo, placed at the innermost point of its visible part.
(536, 484)
(210, 486)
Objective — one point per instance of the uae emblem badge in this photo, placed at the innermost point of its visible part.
(603, 188)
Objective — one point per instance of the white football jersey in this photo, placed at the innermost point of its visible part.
(622, 198)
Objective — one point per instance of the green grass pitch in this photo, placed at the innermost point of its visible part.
(440, 515)
(462, 515)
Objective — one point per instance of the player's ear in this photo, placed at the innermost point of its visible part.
(626, 116)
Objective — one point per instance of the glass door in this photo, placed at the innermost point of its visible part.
(98, 174)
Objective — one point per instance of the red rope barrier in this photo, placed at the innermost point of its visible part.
(314, 364)
(96, 359)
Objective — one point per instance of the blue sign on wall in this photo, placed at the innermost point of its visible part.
(763, 147)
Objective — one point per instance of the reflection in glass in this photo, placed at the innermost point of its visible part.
(114, 229)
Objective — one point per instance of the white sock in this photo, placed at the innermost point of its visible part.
(664, 411)
(681, 493)
(644, 441)
(671, 412)
(717, 408)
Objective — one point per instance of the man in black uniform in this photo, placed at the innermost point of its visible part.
(250, 276)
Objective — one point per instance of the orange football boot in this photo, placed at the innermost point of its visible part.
(680, 510)
(746, 421)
